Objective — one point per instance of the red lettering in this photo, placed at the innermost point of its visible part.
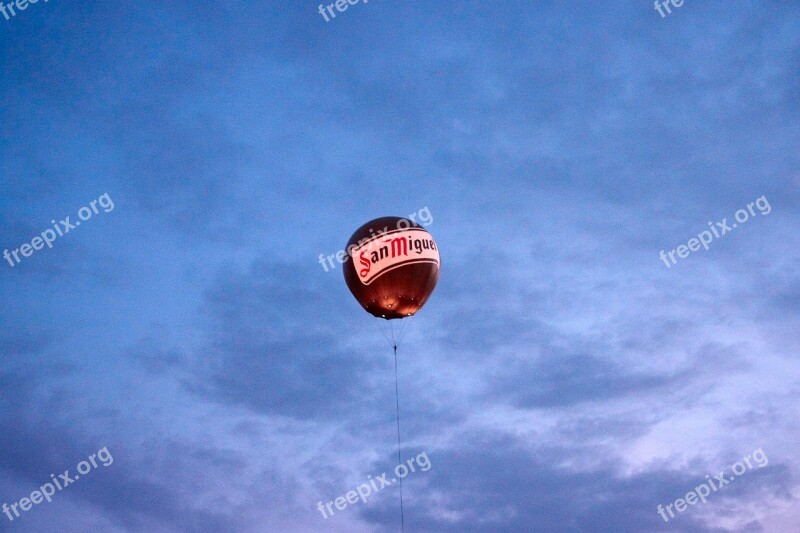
(364, 261)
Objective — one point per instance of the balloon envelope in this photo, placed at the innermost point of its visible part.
(394, 267)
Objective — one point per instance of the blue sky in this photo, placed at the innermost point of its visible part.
(561, 377)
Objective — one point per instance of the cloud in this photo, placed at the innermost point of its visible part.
(495, 482)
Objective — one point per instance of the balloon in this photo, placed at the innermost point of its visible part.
(394, 267)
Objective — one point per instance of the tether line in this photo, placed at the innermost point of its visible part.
(397, 405)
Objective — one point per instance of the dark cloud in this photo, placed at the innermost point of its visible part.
(277, 345)
(491, 483)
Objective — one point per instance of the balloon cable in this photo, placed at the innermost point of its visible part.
(384, 330)
(397, 405)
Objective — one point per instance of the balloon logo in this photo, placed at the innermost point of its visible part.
(395, 267)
